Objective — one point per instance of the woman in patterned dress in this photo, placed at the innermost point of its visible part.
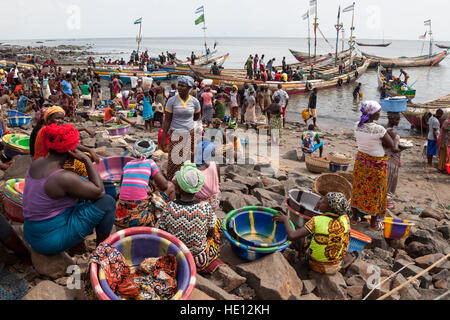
(192, 221)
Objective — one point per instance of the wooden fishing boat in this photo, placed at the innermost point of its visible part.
(126, 77)
(415, 112)
(185, 68)
(304, 56)
(395, 87)
(373, 44)
(292, 87)
(200, 60)
(421, 61)
(443, 46)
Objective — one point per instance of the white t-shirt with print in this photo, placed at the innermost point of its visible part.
(368, 138)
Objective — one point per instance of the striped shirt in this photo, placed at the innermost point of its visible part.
(136, 176)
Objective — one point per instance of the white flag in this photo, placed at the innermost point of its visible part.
(306, 15)
(349, 8)
(427, 23)
(200, 10)
(313, 3)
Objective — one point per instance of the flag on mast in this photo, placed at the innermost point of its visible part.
(305, 16)
(138, 21)
(349, 8)
(200, 10)
(423, 36)
(313, 3)
(200, 19)
(427, 23)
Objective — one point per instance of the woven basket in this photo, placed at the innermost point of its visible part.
(332, 182)
(347, 175)
(316, 165)
(345, 160)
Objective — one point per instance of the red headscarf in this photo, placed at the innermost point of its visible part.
(61, 138)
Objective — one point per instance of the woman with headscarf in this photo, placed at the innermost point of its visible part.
(394, 161)
(369, 195)
(192, 221)
(329, 234)
(134, 207)
(181, 113)
(210, 191)
(60, 208)
(46, 117)
(221, 104)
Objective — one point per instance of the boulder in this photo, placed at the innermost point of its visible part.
(412, 270)
(416, 249)
(298, 183)
(231, 186)
(442, 275)
(18, 169)
(280, 176)
(209, 288)
(379, 291)
(226, 278)
(89, 142)
(355, 281)
(355, 292)
(231, 200)
(249, 182)
(330, 286)
(360, 268)
(245, 292)
(272, 278)
(445, 231)
(431, 294)
(199, 295)
(408, 292)
(48, 290)
(433, 213)
(237, 170)
(269, 199)
(266, 169)
(277, 188)
(54, 266)
(290, 155)
(441, 284)
(309, 286)
(309, 296)
(102, 142)
(426, 261)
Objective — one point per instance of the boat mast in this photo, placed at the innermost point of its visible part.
(338, 27)
(139, 37)
(315, 29)
(204, 33)
(309, 38)
(343, 38)
(352, 42)
(431, 41)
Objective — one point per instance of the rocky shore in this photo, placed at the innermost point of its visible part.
(422, 197)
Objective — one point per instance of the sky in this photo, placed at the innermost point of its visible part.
(69, 19)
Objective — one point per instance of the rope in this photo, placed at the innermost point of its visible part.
(413, 278)
(379, 284)
(325, 38)
(429, 69)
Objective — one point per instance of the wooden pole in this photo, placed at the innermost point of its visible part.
(415, 277)
(315, 35)
(139, 38)
(309, 38)
(338, 28)
(351, 36)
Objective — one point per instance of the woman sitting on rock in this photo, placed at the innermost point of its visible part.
(60, 208)
(329, 232)
(192, 221)
(135, 206)
(210, 191)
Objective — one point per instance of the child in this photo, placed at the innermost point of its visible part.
(147, 111)
(22, 102)
(158, 110)
(136, 206)
(111, 115)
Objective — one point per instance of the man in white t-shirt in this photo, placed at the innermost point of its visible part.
(433, 133)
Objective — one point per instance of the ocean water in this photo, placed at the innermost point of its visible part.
(335, 106)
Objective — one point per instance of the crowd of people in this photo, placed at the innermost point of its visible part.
(258, 69)
(65, 200)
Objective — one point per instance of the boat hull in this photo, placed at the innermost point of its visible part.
(421, 61)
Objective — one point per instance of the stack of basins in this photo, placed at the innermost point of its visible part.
(13, 199)
(253, 234)
(16, 144)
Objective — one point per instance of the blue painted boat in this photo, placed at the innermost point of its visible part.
(126, 77)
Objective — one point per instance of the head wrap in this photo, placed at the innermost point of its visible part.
(236, 87)
(53, 110)
(186, 79)
(189, 178)
(141, 152)
(367, 109)
(205, 149)
(338, 203)
(61, 138)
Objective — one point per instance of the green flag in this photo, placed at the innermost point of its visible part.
(200, 19)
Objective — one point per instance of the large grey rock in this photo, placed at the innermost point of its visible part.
(442, 275)
(18, 169)
(249, 182)
(302, 182)
(54, 266)
(290, 155)
(272, 278)
(102, 142)
(231, 201)
(412, 270)
(269, 199)
(426, 261)
(212, 290)
(309, 286)
(265, 168)
(231, 186)
(48, 290)
(355, 280)
(89, 142)
(445, 231)
(355, 292)
(408, 292)
(237, 170)
(379, 291)
(278, 188)
(330, 286)
(226, 278)
(433, 213)
(416, 249)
